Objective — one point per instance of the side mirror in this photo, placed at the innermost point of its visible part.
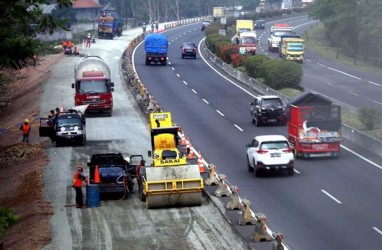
(112, 89)
(72, 85)
(149, 154)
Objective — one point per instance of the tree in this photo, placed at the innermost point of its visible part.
(19, 23)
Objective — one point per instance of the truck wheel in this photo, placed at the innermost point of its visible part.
(253, 121)
(258, 122)
(257, 173)
(147, 62)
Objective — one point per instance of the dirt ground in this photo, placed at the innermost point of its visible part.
(21, 164)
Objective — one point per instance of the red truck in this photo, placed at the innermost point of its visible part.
(93, 85)
(314, 126)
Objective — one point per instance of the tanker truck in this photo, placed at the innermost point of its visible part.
(172, 180)
(93, 85)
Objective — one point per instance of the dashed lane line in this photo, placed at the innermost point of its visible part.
(331, 196)
(220, 113)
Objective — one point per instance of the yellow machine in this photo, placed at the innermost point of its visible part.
(171, 181)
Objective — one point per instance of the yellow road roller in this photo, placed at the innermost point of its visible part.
(171, 180)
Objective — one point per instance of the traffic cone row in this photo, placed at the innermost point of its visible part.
(200, 163)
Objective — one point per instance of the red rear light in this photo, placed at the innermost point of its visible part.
(287, 150)
(184, 50)
(261, 151)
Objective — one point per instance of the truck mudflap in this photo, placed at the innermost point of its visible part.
(173, 186)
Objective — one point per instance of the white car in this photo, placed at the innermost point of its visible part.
(270, 152)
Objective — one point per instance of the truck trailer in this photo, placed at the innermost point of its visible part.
(314, 126)
(93, 85)
(156, 47)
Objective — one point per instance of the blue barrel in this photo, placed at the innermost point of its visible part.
(93, 198)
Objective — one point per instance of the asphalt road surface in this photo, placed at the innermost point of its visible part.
(118, 224)
(328, 204)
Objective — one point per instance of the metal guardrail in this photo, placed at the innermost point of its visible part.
(357, 137)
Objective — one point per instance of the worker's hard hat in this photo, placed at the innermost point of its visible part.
(26, 120)
(80, 168)
(88, 34)
(61, 109)
(143, 161)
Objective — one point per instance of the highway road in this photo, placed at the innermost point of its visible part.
(340, 82)
(117, 224)
(328, 204)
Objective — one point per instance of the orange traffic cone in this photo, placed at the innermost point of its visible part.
(97, 179)
(200, 163)
(191, 154)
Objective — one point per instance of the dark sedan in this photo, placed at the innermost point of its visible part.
(188, 50)
(259, 24)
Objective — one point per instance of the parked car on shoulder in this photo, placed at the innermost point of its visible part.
(189, 50)
(270, 153)
(268, 109)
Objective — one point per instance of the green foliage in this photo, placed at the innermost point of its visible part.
(216, 40)
(370, 117)
(280, 74)
(20, 22)
(254, 63)
(7, 218)
(352, 26)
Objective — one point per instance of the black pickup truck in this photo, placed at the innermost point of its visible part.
(115, 173)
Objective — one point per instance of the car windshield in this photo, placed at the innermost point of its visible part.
(274, 145)
(244, 30)
(68, 121)
(282, 33)
(248, 40)
(271, 102)
(259, 22)
(94, 86)
(189, 45)
(295, 46)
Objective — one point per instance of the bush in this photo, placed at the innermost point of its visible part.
(226, 52)
(280, 74)
(254, 63)
(7, 218)
(370, 117)
(212, 29)
(213, 40)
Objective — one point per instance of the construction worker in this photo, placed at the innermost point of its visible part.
(88, 40)
(152, 27)
(144, 28)
(76, 51)
(156, 26)
(65, 44)
(26, 129)
(78, 178)
(51, 117)
(138, 170)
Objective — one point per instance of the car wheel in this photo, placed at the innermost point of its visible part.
(250, 169)
(253, 120)
(182, 56)
(291, 171)
(258, 122)
(194, 56)
(147, 62)
(257, 173)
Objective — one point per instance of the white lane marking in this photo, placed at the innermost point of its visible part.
(331, 196)
(193, 90)
(363, 158)
(375, 83)
(177, 75)
(352, 93)
(308, 60)
(220, 113)
(185, 82)
(339, 71)
(378, 102)
(377, 230)
(172, 68)
(238, 127)
(298, 172)
(204, 100)
(330, 84)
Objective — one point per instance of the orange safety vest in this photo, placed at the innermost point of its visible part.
(70, 44)
(26, 129)
(65, 43)
(77, 179)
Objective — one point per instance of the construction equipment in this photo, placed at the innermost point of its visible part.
(171, 181)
